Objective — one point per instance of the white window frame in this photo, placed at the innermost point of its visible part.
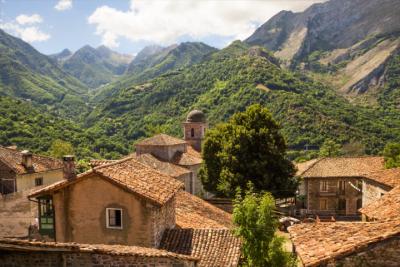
(108, 219)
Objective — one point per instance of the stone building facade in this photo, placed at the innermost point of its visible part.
(194, 129)
(22, 170)
(139, 201)
(343, 185)
(334, 195)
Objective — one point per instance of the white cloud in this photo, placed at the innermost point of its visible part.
(19, 27)
(26, 19)
(63, 5)
(165, 21)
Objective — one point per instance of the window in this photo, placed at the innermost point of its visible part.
(324, 186)
(114, 218)
(46, 216)
(323, 204)
(342, 187)
(192, 132)
(39, 181)
(342, 204)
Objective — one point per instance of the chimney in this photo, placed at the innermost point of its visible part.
(26, 159)
(69, 167)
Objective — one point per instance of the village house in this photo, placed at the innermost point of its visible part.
(373, 242)
(343, 185)
(127, 203)
(22, 170)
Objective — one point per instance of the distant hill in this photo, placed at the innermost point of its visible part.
(228, 81)
(348, 43)
(153, 61)
(27, 74)
(95, 66)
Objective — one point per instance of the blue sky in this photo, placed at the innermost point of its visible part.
(127, 26)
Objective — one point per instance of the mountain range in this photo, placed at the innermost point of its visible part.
(347, 44)
(330, 72)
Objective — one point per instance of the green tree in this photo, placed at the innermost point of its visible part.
(247, 148)
(256, 223)
(60, 148)
(392, 155)
(330, 149)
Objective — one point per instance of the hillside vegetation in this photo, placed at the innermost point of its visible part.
(27, 74)
(230, 80)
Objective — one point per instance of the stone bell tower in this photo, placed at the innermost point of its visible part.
(194, 128)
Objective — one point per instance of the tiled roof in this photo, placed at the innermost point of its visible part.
(163, 167)
(387, 207)
(390, 177)
(132, 175)
(161, 140)
(214, 247)
(25, 245)
(344, 167)
(303, 166)
(13, 159)
(193, 212)
(318, 243)
(99, 162)
(191, 157)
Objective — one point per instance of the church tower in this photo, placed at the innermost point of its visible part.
(194, 128)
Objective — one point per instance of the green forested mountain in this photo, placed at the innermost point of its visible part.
(153, 61)
(228, 81)
(344, 43)
(95, 66)
(27, 74)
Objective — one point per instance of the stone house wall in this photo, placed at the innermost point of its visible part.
(27, 181)
(372, 191)
(165, 153)
(314, 195)
(17, 213)
(80, 214)
(163, 218)
(186, 179)
(197, 186)
(68, 259)
(385, 253)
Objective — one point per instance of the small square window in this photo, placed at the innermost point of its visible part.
(114, 218)
(39, 181)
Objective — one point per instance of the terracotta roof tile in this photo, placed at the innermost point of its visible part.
(317, 243)
(389, 177)
(193, 212)
(161, 140)
(25, 245)
(13, 159)
(187, 159)
(303, 166)
(214, 247)
(131, 175)
(344, 167)
(387, 207)
(99, 162)
(162, 166)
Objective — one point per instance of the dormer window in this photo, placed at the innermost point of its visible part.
(114, 218)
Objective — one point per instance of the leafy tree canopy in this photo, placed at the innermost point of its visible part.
(392, 155)
(249, 147)
(330, 149)
(256, 224)
(59, 148)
